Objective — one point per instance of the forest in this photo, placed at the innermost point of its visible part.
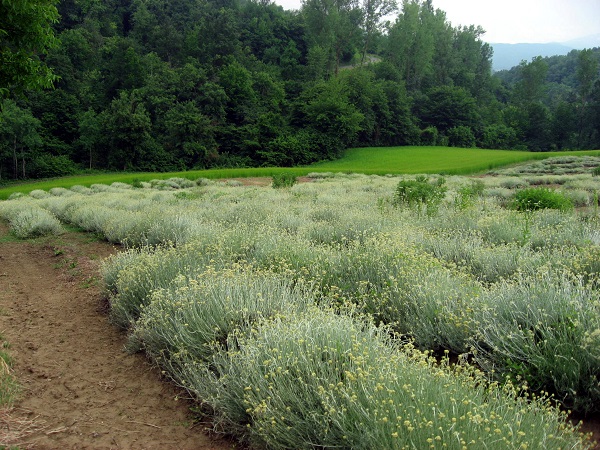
(161, 85)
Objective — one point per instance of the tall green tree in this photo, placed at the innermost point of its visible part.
(531, 85)
(587, 75)
(330, 113)
(90, 136)
(130, 143)
(190, 136)
(25, 33)
(19, 138)
(411, 45)
(446, 107)
(333, 25)
(373, 12)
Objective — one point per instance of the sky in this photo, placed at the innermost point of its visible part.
(518, 21)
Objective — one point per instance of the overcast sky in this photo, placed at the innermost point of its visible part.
(516, 21)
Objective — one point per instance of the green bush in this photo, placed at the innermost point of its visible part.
(596, 172)
(429, 136)
(500, 137)
(461, 136)
(284, 180)
(421, 193)
(46, 166)
(290, 150)
(533, 199)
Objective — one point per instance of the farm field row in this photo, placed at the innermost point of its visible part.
(326, 314)
(374, 161)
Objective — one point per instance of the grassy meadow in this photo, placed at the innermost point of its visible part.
(360, 311)
(446, 160)
(371, 161)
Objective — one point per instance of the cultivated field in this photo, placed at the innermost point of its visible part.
(373, 161)
(359, 311)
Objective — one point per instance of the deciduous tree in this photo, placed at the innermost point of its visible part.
(25, 34)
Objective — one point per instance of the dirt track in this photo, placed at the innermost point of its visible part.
(80, 390)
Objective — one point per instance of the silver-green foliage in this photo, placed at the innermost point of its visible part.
(193, 317)
(132, 276)
(27, 219)
(35, 222)
(426, 276)
(320, 380)
(544, 330)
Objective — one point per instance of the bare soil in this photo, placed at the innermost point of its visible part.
(80, 390)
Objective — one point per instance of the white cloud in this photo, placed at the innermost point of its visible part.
(514, 21)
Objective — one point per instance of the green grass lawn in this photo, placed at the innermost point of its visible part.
(368, 160)
(449, 160)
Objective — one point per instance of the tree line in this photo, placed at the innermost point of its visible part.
(179, 84)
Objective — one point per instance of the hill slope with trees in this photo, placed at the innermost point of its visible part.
(172, 85)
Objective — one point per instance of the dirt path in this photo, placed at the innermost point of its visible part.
(80, 390)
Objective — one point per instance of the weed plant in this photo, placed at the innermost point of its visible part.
(9, 388)
(131, 276)
(34, 223)
(283, 180)
(79, 189)
(421, 193)
(38, 194)
(533, 199)
(61, 192)
(514, 183)
(468, 194)
(28, 220)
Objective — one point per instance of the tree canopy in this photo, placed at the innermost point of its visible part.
(181, 84)
(25, 33)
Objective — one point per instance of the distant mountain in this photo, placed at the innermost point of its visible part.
(507, 56)
(591, 41)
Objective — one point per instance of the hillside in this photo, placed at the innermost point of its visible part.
(507, 56)
(165, 85)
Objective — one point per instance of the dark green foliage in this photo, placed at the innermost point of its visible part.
(175, 85)
(461, 136)
(499, 137)
(25, 32)
(429, 136)
(446, 107)
(421, 193)
(284, 180)
(47, 166)
(533, 199)
(596, 171)
(290, 150)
